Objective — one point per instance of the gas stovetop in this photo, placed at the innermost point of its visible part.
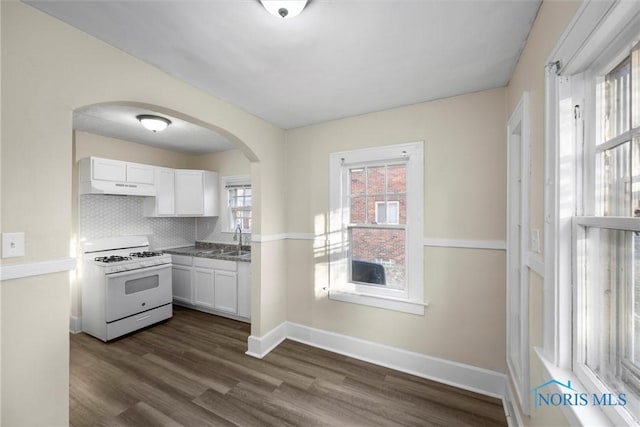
(119, 258)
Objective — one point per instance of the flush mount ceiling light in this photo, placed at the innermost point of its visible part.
(153, 123)
(284, 9)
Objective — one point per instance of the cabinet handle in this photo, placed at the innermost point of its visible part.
(143, 317)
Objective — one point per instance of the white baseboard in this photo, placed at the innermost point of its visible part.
(75, 324)
(261, 346)
(456, 374)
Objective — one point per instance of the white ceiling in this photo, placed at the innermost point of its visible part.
(338, 58)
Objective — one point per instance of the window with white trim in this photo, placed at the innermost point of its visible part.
(239, 197)
(607, 352)
(376, 227)
(592, 199)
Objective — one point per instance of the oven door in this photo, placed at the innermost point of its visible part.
(131, 292)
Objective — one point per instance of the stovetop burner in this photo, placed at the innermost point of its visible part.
(146, 254)
(112, 258)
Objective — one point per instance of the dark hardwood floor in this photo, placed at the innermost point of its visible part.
(192, 371)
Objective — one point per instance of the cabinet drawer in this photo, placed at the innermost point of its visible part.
(138, 321)
(216, 264)
(181, 259)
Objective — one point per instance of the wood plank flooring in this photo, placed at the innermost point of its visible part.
(192, 371)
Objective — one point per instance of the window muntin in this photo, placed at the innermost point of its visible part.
(375, 227)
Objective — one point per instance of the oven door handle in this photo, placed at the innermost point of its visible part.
(139, 270)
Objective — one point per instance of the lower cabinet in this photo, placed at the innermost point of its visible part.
(215, 286)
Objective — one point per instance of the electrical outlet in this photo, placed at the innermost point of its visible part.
(12, 245)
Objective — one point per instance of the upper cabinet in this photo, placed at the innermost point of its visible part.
(184, 192)
(105, 176)
(178, 192)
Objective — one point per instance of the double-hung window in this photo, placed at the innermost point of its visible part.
(376, 227)
(239, 195)
(606, 239)
(595, 231)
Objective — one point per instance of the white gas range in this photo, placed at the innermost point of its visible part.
(124, 286)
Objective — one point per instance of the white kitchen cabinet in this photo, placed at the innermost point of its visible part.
(140, 174)
(225, 291)
(196, 193)
(106, 176)
(164, 202)
(189, 187)
(215, 286)
(203, 281)
(181, 278)
(108, 170)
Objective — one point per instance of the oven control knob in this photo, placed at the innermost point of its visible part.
(144, 303)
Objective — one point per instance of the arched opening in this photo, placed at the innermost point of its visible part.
(110, 130)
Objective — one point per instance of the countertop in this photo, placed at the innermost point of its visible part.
(213, 251)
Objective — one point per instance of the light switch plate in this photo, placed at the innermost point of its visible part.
(12, 245)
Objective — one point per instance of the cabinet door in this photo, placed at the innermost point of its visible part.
(140, 174)
(226, 291)
(203, 279)
(211, 194)
(165, 191)
(189, 192)
(109, 170)
(181, 282)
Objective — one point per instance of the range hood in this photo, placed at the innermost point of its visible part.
(117, 188)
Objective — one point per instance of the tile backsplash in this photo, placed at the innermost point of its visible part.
(108, 216)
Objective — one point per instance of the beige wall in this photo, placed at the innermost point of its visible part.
(553, 17)
(464, 189)
(48, 70)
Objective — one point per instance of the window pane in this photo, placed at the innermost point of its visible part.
(378, 256)
(397, 179)
(358, 211)
(372, 203)
(376, 180)
(612, 309)
(615, 178)
(357, 182)
(617, 99)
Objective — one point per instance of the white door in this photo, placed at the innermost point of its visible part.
(226, 291)
(189, 192)
(203, 280)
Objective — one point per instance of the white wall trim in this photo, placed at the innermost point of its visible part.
(19, 271)
(456, 374)
(282, 236)
(428, 241)
(470, 244)
(261, 346)
(535, 264)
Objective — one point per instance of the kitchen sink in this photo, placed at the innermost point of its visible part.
(236, 253)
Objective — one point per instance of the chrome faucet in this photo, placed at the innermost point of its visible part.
(235, 237)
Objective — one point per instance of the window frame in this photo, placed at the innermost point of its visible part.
(228, 219)
(411, 299)
(386, 211)
(598, 26)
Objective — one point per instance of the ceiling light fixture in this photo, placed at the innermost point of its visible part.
(284, 9)
(153, 123)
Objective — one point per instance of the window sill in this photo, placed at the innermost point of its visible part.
(406, 306)
(588, 415)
